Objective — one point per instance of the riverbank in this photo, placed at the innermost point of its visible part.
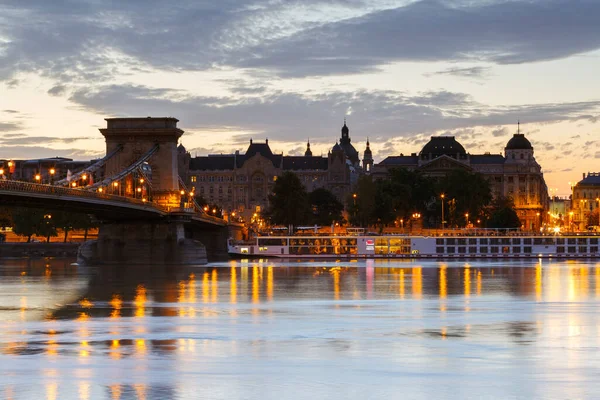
(39, 249)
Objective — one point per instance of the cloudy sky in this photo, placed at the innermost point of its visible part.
(400, 71)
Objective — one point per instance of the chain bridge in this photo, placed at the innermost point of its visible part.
(146, 213)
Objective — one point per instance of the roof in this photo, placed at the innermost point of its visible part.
(400, 160)
(519, 142)
(592, 179)
(296, 163)
(487, 159)
(443, 145)
(212, 162)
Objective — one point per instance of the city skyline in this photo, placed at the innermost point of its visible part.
(288, 71)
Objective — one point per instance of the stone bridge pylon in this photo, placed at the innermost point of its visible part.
(137, 137)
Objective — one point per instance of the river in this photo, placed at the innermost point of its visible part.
(291, 330)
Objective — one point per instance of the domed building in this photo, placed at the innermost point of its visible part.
(515, 174)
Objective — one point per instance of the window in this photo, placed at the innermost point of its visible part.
(462, 250)
(193, 178)
(450, 250)
(511, 179)
(483, 250)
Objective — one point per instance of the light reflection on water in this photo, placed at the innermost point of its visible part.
(367, 329)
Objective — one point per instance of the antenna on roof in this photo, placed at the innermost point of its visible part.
(518, 126)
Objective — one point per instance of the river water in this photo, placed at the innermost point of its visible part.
(288, 330)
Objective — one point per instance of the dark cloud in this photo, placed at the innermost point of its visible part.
(92, 41)
(10, 111)
(29, 140)
(500, 132)
(286, 116)
(504, 32)
(58, 90)
(9, 126)
(470, 72)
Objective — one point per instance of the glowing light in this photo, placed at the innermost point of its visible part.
(115, 184)
(38, 177)
(417, 282)
(85, 303)
(74, 184)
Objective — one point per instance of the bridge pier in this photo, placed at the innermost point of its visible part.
(147, 243)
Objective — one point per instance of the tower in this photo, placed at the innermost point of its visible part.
(519, 149)
(368, 158)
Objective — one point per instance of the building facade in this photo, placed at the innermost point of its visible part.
(516, 174)
(585, 199)
(242, 182)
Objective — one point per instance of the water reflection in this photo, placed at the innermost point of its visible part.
(108, 332)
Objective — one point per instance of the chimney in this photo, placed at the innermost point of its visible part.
(584, 175)
(267, 141)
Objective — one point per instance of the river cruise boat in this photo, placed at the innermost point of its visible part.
(401, 246)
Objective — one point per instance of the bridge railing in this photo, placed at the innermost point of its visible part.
(28, 187)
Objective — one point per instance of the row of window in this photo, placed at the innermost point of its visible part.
(546, 241)
(511, 250)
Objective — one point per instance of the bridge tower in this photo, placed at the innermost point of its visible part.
(138, 136)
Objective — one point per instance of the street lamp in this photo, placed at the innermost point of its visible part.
(442, 197)
(10, 168)
(52, 172)
(467, 217)
(1, 171)
(38, 178)
(74, 184)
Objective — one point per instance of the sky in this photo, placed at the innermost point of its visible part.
(399, 71)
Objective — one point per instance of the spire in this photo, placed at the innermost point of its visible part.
(367, 142)
(518, 127)
(308, 152)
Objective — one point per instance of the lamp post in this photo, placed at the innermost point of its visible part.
(52, 171)
(442, 197)
(38, 178)
(1, 173)
(11, 166)
(467, 218)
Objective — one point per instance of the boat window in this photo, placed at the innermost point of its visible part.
(450, 250)
(560, 249)
(516, 249)
(462, 250)
(494, 249)
(483, 250)
(594, 249)
(571, 249)
(582, 241)
(594, 241)
(527, 241)
(473, 250)
(451, 241)
(483, 241)
(527, 249)
(439, 250)
(505, 249)
(516, 241)
(462, 241)
(472, 241)
(582, 249)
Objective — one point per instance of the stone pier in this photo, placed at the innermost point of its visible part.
(143, 243)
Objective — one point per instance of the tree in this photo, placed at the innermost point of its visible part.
(70, 221)
(503, 214)
(5, 217)
(465, 193)
(326, 208)
(289, 202)
(28, 222)
(361, 203)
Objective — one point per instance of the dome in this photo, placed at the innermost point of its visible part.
(443, 145)
(337, 147)
(518, 142)
(181, 148)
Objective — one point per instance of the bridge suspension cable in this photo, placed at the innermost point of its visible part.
(91, 169)
(194, 202)
(126, 171)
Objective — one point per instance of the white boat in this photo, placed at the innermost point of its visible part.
(400, 246)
